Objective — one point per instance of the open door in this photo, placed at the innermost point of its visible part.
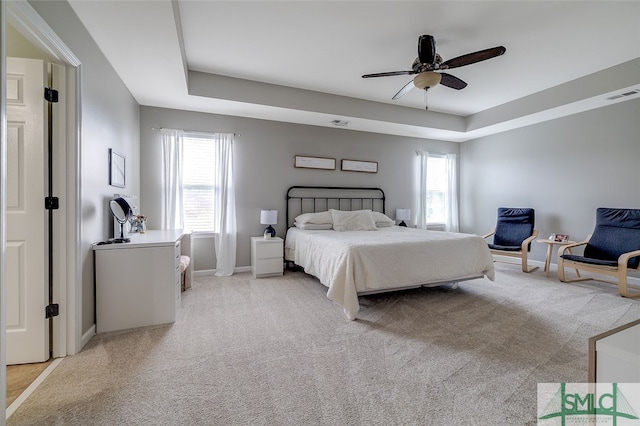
(27, 291)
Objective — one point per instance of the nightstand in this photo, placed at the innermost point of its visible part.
(267, 257)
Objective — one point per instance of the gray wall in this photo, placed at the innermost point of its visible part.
(564, 168)
(264, 169)
(110, 119)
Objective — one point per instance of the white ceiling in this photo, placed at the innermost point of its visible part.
(302, 61)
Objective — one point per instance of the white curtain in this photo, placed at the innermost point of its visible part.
(422, 189)
(224, 215)
(451, 195)
(171, 216)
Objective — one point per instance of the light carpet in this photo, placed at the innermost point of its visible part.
(276, 351)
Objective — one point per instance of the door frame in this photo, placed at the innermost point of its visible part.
(68, 326)
(3, 198)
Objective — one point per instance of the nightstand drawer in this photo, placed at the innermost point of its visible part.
(268, 250)
(265, 267)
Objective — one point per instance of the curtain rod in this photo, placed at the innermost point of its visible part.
(194, 131)
(431, 154)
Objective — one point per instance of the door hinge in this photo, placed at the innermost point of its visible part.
(50, 95)
(51, 203)
(52, 310)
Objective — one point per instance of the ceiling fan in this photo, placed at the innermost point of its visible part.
(428, 62)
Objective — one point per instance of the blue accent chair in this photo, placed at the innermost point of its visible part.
(513, 234)
(612, 249)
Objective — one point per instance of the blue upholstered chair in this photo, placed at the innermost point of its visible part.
(513, 234)
(612, 249)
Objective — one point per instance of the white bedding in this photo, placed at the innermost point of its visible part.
(390, 258)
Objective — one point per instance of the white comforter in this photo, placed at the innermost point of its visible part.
(389, 258)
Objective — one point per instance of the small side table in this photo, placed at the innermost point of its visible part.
(550, 244)
(267, 257)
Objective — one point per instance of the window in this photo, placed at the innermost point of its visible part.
(438, 199)
(436, 189)
(198, 182)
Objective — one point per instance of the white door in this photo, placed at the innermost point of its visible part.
(27, 334)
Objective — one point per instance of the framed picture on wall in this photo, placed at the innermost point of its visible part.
(360, 166)
(116, 169)
(314, 162)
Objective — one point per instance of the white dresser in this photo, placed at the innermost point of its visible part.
(139, 283)
(614, 356)
(267, 257)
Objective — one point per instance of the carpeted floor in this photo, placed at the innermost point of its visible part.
(277, 352)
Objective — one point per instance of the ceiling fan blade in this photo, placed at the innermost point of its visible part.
(452, 81)
(387, 74)
(472, 58)
(426, 49)
(406, 89)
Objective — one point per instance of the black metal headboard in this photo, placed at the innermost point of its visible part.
(311, 199)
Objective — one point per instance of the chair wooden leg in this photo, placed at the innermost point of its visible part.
(577, 270)
(564, 279)
(525, 264)
(573, 280)
(622, 286)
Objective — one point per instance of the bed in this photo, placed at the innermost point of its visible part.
(372, 259)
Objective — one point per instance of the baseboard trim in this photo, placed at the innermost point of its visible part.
(87, 336)
(31, 388)
(209, 272)
(203, 273)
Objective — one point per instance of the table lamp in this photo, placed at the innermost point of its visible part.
(269, 217)
(402, 215)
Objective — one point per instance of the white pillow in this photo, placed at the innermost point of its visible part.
(352, 221)
(320, 217)
(382, 219)
(313, 226)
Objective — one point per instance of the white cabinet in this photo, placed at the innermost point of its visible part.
(614, 356)
(139, 283)
(267, 257)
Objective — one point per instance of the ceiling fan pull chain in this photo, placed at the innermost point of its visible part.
(426, 98)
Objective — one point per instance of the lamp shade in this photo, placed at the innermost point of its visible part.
(268, 217)
(403, 214)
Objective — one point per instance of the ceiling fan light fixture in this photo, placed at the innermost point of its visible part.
(427, 79)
